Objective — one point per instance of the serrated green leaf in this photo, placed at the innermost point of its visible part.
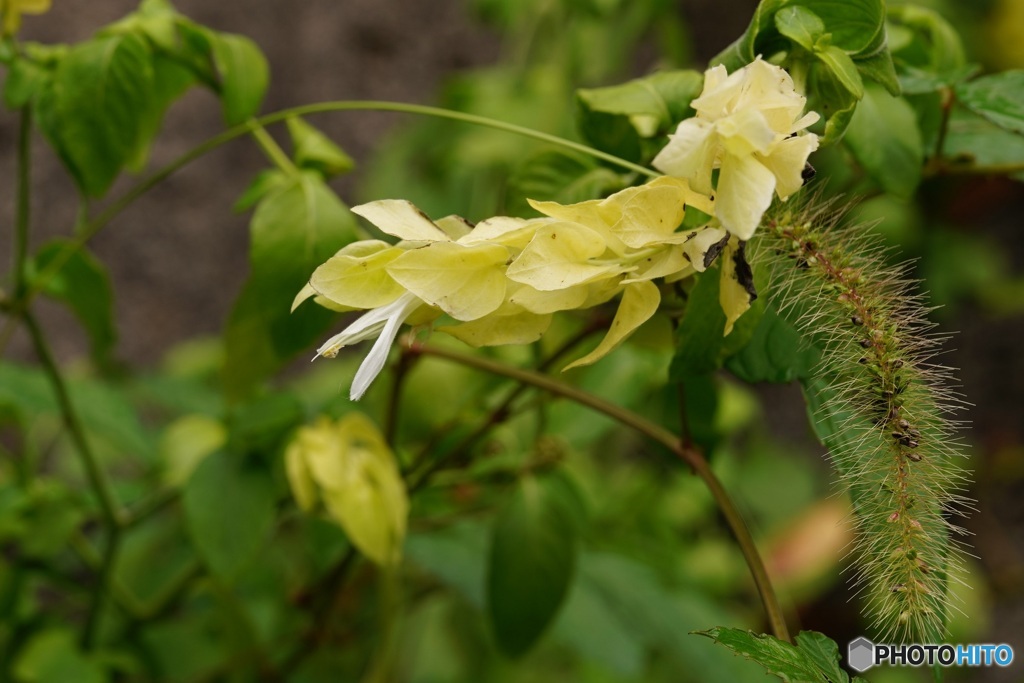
(314, 150)
(552, 175)
(295, 228)
(244, 76)
(776, 656)
(824, 653)
(229, 511)
(885, 139)
(972, 140)
(776, 353)
(800, 25)
(90, 109)
(83, 285)
(531, 564)
(998, 97)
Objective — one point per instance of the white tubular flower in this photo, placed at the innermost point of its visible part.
(748, 125)
(383, 323)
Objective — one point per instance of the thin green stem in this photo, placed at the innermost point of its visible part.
(109, 508)
(98, 223)
(498, 415)
(689, 455)
(104, 580)
(326, 593)
(271, 148)
(401, 371)
(23, 212)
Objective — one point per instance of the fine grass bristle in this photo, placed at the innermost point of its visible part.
(895, 443)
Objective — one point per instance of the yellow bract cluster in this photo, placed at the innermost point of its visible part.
(347, 467)
(501, 280)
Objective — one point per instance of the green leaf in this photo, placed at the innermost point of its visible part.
(972, 140)
(25, 78)
(90, 109)
(883, 136)
(701, 343)
(776, 353)
(824, 652)
(879, 68)
(622, 118)
(840, 64)
(552, 175)
(267, 181)
(244, 76)
(229, 512)
(999, 98)
(103, 409)
(922, 39)
(856, 26)
(778, 657)
(295, 228)
(531, 564)
(800, 25)
(53, 656)
(260, 426)
(314, 150)
(170, 81)
(631, 596)
(83, 285)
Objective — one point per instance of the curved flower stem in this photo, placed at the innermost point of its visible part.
(94, 226)
(687, 454)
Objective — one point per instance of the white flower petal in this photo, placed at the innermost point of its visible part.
(745, 189)
(378, 355)
(745, 132)
(690, 154)
(787, 161)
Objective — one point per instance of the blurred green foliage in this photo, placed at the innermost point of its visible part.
(542, 531)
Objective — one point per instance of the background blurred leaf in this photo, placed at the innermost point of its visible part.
(314, 150)
(82, 283)
(53, 657)
(104, 410)
(532, 561)
(295, 228)
(974, 140)
(229, 509)
(884, 137)
(244, 75)
(999, 98)
(557, 176)
(90, 109)
(619, 118)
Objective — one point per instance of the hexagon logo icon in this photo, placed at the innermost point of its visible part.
(860, 654)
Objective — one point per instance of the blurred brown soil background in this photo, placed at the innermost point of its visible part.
(178, 256)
